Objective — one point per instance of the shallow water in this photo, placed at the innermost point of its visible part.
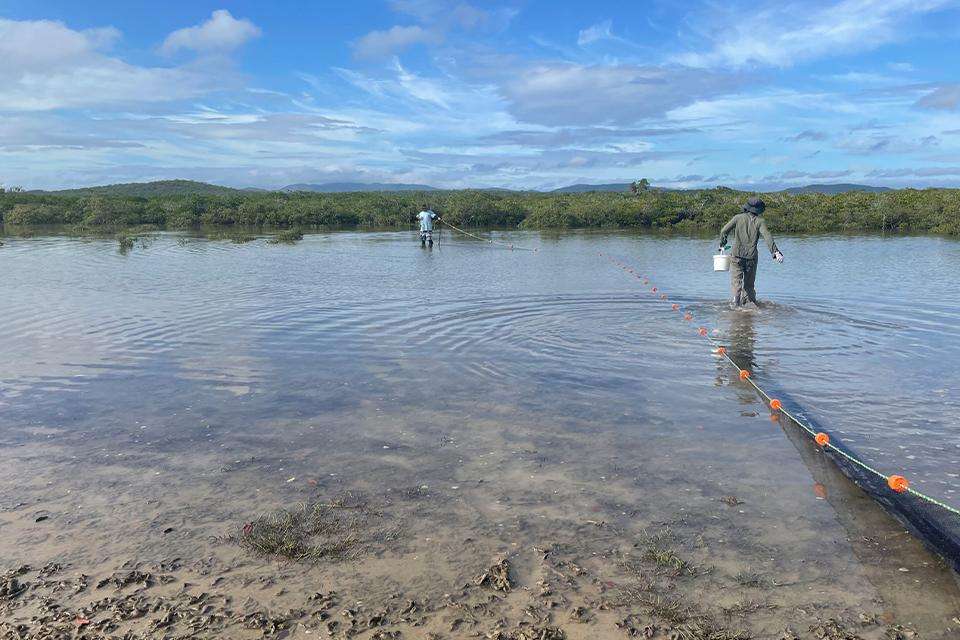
(540, 397)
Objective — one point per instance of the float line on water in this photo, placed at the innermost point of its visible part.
(895, 482)
(509, 245)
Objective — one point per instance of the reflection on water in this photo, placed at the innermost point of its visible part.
(540, 398)
(742, 339)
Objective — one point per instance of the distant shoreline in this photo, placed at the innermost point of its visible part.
(906, 210)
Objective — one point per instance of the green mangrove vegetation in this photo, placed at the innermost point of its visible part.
(287, 236)
(907, 210)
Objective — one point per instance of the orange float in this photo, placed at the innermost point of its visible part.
(822, 439)
(675, 306)
(721, 351)
(898, 483)
(702, 331)
(776, 405)
(688, 316)
(744, 374)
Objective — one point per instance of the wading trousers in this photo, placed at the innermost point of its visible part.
(743, 275)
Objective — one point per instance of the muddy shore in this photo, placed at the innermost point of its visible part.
(493, 533)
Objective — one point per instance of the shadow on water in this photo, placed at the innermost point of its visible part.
(743, 339)
(883, 547)
(875, 532)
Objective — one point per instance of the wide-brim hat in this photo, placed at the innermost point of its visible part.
(755, 205)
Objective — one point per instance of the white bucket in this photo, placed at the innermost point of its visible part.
(721, 262)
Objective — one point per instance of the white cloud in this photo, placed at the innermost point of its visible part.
(421, 88)
(70, 69)
(946, 97)
(443, 13)
(411, 104)
(862, 78)
(222, 32)
(41, 133)
(39, 45)
(599, 31)
(403, 86)
(783, 35)
(901, 67)
(548, 138)
(571, 94)
(437, 19)
(108, 81)
(380, 44)
(762, 108)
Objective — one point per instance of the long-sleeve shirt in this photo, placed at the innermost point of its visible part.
(747, 229)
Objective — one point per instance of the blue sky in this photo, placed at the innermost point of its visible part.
(521, 94)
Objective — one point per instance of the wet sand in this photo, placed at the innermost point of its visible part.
(503, 530)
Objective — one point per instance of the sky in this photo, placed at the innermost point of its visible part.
(518, 94)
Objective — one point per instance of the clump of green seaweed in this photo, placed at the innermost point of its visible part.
(341, 529)
(127, 239)
(659, 549)
(288, 236)
(229, 235)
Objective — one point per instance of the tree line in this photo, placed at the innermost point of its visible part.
(906, 210)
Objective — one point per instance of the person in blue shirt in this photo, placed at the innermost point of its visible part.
(426, 218)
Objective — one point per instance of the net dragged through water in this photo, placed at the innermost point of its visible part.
(934, 522)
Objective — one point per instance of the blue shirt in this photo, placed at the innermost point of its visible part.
(426, 220)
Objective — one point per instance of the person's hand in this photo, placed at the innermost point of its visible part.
(778, 257)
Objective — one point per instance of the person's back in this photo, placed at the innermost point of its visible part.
(426, 218)
(746, 228)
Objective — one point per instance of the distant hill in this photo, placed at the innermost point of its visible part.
(342, 187)
(190, 187)
(618, 187)
(149, 189)
(810, 188)
(581, 188)
(836, 188)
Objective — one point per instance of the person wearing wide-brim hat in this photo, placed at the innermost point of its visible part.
(747, 227)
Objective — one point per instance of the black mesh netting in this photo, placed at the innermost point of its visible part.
(937, 527)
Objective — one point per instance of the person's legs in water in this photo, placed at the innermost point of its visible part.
(736, 281)
(749, 280)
